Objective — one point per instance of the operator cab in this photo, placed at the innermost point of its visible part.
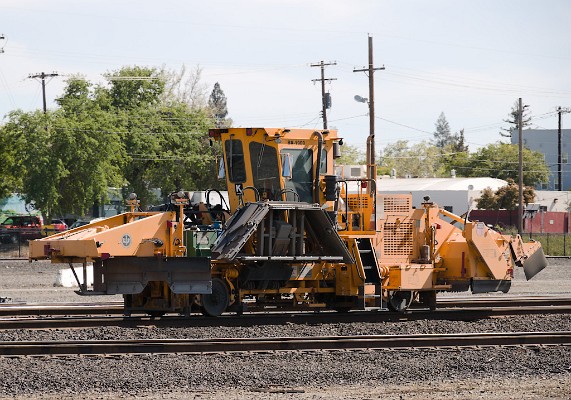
(274, 164)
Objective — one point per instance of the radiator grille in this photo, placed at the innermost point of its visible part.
(397, 239)
(358, 202)
(397, 204)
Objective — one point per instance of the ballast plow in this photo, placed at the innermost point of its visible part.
(292, 236)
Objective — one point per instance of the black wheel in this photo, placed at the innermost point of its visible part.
(13, 239)
(428, 299)
(156, 314)
(215, 304)
(400, 301)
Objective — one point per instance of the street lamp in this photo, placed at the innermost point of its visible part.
(371, 168)
(2, 37)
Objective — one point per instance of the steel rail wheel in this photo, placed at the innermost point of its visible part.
(215, 304)
(399, 301)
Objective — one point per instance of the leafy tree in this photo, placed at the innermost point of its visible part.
(506, 197)
(125, 134)
(133, 87)
(442, 134)
(218, 104)
(513, 119)
(419, 160)
(183, 158)
(457, 142)
(184, 87)
(500, 160)
(76, 96)
(487, 200)
(64, 165)
(12, 165)
(351, 155)
(455, 155)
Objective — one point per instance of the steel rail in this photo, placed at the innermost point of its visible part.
(49, 309)
(281, 318)
(226, 345)
(116, 307)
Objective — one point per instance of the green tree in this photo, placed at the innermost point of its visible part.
(455, 155)
(487, 200)
(76, 96)
(442, 133)
(133, 87)
(12, 166)
(184, 87)
(513, 119)
(164, 138)
(184, 159)
(457, 142)
(65, 165)
(218, 104)
(351, 155)
(499, 160)
(125, 134)
(420, 160)
(506, 197)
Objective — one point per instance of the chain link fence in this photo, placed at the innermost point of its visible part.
(554, 244)
(13, 246)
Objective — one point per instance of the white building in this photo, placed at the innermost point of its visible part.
(456, 195)
(552, 200)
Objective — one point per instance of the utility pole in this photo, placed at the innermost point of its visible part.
(43, 77)
(372, 168)
(559, 157)
(520, 143)
(559, 160)
(325, 104)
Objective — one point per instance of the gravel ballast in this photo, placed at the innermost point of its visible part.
(485, 373)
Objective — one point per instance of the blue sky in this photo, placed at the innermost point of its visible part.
(468, 59)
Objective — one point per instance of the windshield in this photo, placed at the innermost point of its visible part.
(264, 160)
(302, 173)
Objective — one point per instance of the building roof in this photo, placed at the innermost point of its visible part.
(433, 184)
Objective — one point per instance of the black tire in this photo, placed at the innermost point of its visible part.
(399, 301)
(215, 304)
(156, 314)
(428, 299)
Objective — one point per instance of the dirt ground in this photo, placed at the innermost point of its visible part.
(472, 389)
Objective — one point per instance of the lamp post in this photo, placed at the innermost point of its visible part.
(370, 70)
(370, 157)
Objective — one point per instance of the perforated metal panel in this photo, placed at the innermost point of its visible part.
(358, 202)
(397, 239)
(399, 204)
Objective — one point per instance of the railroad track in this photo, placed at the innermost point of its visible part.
(116, 307)
(254, 345)
(256, 319)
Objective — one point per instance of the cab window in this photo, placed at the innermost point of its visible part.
(323, 166)
(264, 161)
(302, 173)
(235, 161)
